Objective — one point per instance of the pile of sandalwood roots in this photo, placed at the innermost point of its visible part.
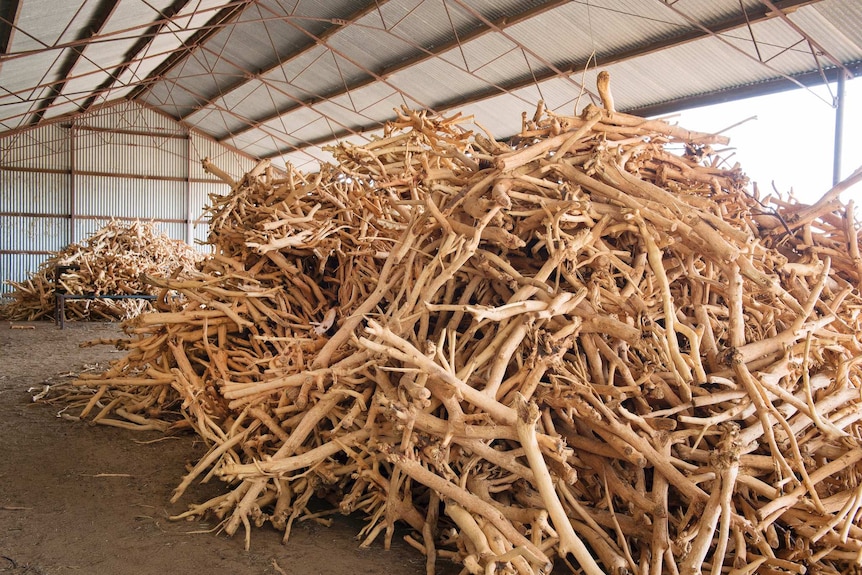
(111, 261)
(589, 346)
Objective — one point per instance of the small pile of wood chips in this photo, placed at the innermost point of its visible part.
(108, 262)
(588, 345)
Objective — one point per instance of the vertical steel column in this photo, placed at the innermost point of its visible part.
(839, 131)
(189, 235)
(72, 153)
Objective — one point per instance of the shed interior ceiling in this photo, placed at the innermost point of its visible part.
(282, 79)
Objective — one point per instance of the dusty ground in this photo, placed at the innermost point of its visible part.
(81, 499)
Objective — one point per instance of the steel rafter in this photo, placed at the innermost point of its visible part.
(81, 99)
(217, 107)
(557, 71)
(68, 97)
(127, 33)
(335, 52)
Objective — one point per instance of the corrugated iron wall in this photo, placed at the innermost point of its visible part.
(44, 148)
(61, 182)
(125, 197)
(131, 154)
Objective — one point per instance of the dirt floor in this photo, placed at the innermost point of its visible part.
(77, 498)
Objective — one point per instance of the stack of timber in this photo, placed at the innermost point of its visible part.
(111, 261)
(579, 347)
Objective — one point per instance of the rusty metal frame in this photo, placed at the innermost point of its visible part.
(222, 18)
(281, 140)
(771, 10)
(86, 99)
(133, 55)
(604, 60)
(286, 59)
(422, 55)
(9, 14)
(779, 12)
(105, 11)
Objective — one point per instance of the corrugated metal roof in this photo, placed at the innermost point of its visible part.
(121, 33)
(282, 79)
(837, 28)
